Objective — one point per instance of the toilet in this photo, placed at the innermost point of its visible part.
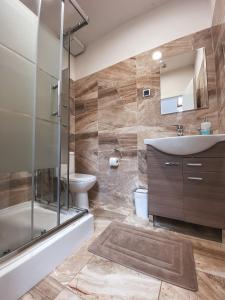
(79, 184)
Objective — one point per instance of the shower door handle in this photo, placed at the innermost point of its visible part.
(54, 87)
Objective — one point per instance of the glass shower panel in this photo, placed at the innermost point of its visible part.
(67, 209)
(65, 137)
(47, 123)
(18, 35)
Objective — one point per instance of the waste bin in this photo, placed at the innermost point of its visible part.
(141, 203)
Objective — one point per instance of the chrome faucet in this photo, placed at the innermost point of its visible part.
(179, 129)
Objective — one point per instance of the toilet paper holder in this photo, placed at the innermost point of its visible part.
(120, 153)
(115, 161)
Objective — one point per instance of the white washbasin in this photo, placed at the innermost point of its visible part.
(185, 145)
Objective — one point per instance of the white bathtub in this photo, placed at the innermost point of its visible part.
(20, 273)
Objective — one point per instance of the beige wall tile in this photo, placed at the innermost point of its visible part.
(109, 105)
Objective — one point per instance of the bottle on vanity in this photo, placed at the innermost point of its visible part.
(206, 127)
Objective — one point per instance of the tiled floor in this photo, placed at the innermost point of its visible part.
(89, 277)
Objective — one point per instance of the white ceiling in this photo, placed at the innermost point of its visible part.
(106, 15)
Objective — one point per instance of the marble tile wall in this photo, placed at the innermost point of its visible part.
(110, 114)
(218, 36)
(86, 125)
(15, 188)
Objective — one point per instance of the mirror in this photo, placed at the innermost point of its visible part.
(183, 82)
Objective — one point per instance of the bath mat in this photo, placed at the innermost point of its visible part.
(155, 254)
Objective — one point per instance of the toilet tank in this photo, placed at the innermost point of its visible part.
(71, 162)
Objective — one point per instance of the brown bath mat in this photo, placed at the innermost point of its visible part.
(153, 253)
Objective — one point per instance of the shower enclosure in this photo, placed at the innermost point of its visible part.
(35, 41)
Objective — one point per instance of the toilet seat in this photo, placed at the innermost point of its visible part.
(77, 177)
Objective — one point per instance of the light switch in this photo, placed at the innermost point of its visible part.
(146, 93)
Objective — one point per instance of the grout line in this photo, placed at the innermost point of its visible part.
(160, 291)
(84, 265)
(75, 277)
(77, 273)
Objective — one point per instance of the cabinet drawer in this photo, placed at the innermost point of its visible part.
(204, 164)
(204, 198)
(167, 163)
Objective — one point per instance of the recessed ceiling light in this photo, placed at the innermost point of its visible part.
(157, 55)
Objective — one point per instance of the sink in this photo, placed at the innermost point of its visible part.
(185, 145)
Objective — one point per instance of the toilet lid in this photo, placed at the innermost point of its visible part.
(82, 177)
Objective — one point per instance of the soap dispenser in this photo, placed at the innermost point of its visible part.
(206, 127)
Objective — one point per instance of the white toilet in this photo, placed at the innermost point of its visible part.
(79, 184)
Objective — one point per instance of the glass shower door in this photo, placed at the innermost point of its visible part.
(17, 98)
(47, 118)
(34, 120)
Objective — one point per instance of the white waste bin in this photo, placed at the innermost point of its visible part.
(141, 203)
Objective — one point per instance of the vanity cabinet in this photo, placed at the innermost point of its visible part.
(188, 188)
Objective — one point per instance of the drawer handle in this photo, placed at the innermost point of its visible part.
(194, 164)
(172, 163)
(195, 178)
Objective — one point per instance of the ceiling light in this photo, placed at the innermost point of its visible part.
(157, 55)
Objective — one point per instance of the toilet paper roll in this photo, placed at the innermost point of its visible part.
(114, 162)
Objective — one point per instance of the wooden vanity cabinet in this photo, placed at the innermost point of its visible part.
(204, 200)
(165, 186)
(188, 188)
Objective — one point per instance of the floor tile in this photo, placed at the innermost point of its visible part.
(104, 279)
(67, 295)
(100, 225)
(100, 213)
(65, 272)
(34, 295)
(210, 288)
(209, 264)
(47, 289)
(132, 219)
